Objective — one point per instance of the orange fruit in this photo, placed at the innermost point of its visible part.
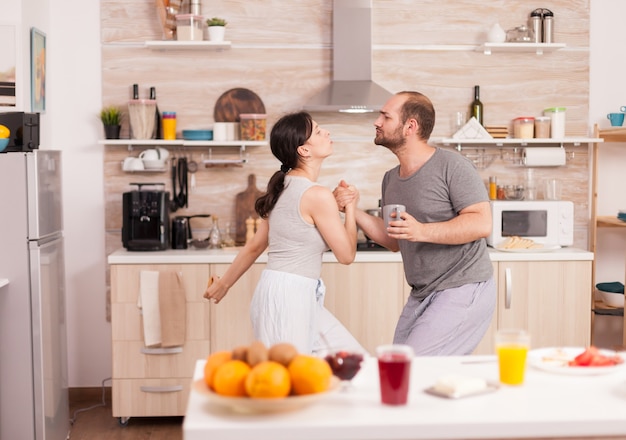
(309, 374)
(213, 361)
(230, 378)
(268, 379)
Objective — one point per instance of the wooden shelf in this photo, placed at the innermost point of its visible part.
(605, 221)
(613, 134)
(537, 48)
(187, 45)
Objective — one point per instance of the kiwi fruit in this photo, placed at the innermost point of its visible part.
(240, 353)
(282, 353)
(257, 353)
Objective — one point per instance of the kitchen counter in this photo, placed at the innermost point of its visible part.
(548, 405)
(227, 255)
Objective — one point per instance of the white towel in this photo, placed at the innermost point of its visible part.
(148, 302)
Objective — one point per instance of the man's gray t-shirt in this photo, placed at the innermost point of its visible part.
(443, 186)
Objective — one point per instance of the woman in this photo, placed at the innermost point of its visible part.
(300, 221)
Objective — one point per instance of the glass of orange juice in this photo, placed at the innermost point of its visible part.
(512, 347)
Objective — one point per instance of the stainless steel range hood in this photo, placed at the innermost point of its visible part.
(352, 89)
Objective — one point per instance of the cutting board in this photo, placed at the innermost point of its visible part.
(233, 102)
(244, 208)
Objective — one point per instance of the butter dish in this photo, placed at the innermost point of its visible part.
(455, 386)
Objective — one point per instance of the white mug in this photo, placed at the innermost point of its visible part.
(150, 154)
(388, 209)
(132, 164)
(163, 153)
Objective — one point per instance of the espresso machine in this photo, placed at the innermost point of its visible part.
(146, 223)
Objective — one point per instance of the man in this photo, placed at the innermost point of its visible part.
(440, 236)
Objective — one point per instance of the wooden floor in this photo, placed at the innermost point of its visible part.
(98, 423)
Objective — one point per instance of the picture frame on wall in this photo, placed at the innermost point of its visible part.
(8, 67)
(37, 71)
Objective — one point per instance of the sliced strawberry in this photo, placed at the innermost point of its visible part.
(584, 358)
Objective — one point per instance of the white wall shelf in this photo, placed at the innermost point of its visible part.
(538, 48)
(3, 282)
(186, 45)
(181, 143)
(511, 142)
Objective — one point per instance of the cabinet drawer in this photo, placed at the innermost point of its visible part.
(126, 323)
(150, 397)
(132, 360)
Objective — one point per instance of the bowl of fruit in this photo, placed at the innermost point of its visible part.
(258, 379)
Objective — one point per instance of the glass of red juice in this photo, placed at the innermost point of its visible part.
(394, 370)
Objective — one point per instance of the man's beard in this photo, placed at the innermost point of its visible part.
(391, 142)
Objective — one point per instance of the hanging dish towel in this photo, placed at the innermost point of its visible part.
(148, 302)
(172, 304)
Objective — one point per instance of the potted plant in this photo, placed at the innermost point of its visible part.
(217, 28)
(111, 118)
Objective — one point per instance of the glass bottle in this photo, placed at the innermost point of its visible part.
(215, 237)
(227, 241)
(476, 107)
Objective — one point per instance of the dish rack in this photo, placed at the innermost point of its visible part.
(225, 160)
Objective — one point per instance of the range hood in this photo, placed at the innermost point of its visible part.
(352, 89)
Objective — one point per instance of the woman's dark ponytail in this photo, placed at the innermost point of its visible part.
(287, 135)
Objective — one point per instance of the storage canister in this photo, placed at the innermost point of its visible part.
(542, 127)
(557, 121)
(188, 27)
(524, 127)
(252, 126)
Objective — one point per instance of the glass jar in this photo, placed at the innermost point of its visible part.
(524, 127)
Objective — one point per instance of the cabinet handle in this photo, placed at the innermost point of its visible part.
(172, 350)
(508, 293)
(165, 389)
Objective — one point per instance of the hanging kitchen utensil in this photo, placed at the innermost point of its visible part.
(233, 102)
(174, 170)
(192, 167)
(179, 183)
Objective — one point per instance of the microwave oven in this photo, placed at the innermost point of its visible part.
(549, 222)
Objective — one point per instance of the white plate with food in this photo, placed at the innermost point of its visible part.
(248, 405)
(558, 360)
(548, 248)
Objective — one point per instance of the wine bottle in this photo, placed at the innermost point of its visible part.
(157, 116)
(476, 108)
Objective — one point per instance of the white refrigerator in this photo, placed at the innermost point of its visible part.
(34, 400)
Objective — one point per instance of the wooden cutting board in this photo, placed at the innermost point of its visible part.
(234, 102)
(244, 208)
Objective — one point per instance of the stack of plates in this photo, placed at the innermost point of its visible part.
(498, 131)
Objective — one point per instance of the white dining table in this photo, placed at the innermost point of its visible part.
(548, 405)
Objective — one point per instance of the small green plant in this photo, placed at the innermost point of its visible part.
(111, 115)
(216, 21)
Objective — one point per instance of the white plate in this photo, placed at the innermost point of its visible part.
(257, 406)
(554, 360)
(549, 248)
